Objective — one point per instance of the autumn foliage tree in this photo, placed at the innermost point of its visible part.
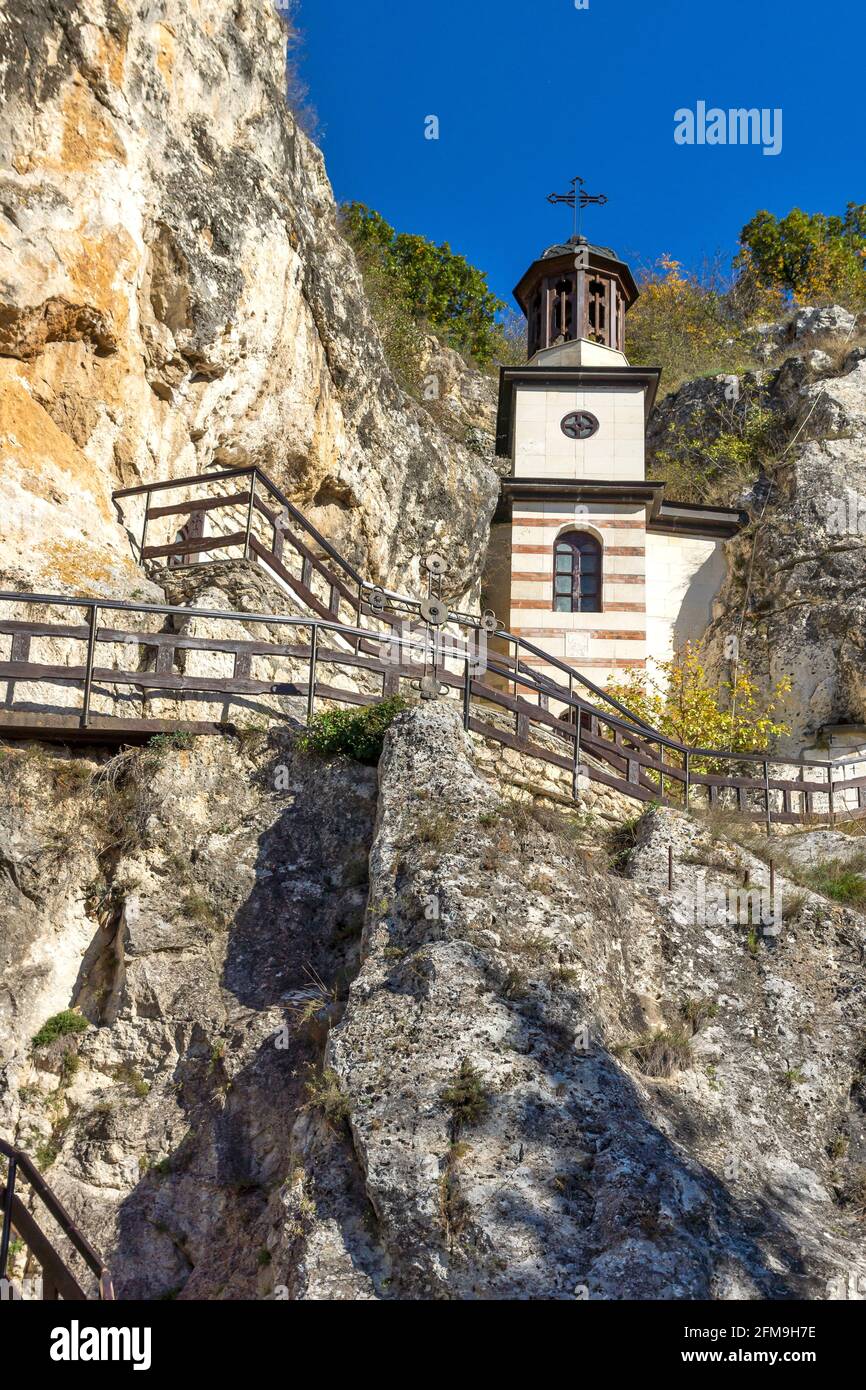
(681, 699)
(694, 325)
(810, 257)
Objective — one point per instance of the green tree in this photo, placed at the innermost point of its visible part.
(440, 289)
(809, 256)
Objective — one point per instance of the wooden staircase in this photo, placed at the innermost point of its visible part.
(355, 629)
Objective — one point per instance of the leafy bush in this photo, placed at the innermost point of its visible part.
(810, 257)
(689, 325)
(358, 734)
(430, 285)
(688, 705)
(720, 452)
(60, 1026)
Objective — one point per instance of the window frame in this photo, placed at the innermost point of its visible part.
(580, 542)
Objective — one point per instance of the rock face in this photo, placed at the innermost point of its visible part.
(449, 1054)
(176, 295)
(342, 1035)
(215, 892)
(794, 595)
(490, 942)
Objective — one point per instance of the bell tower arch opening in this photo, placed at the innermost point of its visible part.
(573, 291)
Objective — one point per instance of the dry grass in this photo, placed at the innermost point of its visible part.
(325, 1095)
(662, 1053)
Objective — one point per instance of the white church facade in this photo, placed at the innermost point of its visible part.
(588, 559)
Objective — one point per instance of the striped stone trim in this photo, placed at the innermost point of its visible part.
(634, 523)
(556, 523)
(608, 550)
(544, 576)
(543, 553)
(569, 632)
(618, 663)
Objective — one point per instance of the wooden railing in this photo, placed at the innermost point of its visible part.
(58, 1280)
(504, 702)
(259, 523)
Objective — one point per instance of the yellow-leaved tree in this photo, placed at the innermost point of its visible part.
(679, 698)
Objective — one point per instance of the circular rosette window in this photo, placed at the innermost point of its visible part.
(579, 424)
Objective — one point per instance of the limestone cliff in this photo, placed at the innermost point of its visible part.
(339, 1033)
(423, 1042)
(175, 294)
(794, 597)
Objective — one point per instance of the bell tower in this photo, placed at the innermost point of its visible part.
(576, 290)
(589, 559)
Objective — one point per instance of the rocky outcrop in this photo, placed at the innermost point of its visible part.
(649, 1103)
(455, 1054)
(176, 295)
(213, 894)
(794, 598)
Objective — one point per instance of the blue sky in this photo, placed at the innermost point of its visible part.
(529, 93)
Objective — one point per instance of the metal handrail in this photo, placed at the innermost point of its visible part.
(365, 585)
(539, 686)
(256, 473)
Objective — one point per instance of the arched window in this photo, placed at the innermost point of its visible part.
(577, 573)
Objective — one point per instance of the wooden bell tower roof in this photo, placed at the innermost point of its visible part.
(576, 290)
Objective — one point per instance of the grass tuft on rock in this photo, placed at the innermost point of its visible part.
(175, 741)
(325, 1094)
(842, 881)
(465, 1096)
(662, 1053)
(60, 1025)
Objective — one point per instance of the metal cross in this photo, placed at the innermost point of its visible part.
(577, 199)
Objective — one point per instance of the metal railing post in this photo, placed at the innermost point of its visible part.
(831, 794)
(144, 527)
(7, 1215)
(688, 778)
(575, 776)
(467, 692)
(250, 510)
(88, 672)
(661, 772)
(767, 796)
(358, 639)
(314, 651)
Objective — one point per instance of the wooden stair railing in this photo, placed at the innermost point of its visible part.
(58, 1280)
(261, 505)
(581, 739)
